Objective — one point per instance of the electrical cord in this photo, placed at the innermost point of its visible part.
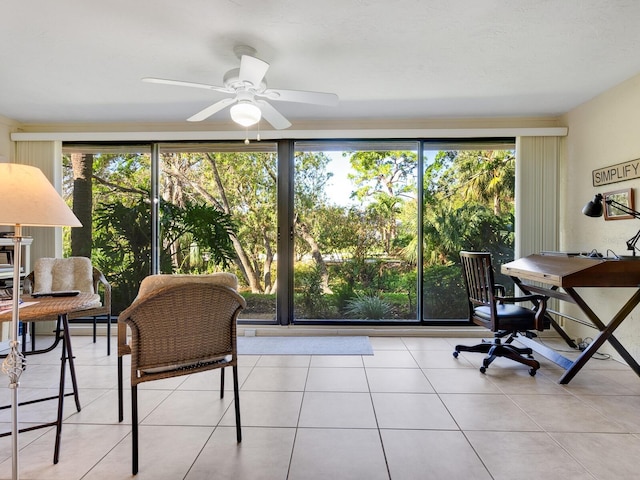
(597, 355)
(584, 343)
(581, 346)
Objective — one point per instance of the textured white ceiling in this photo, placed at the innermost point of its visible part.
(82, 60)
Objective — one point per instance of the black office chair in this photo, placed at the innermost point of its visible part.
(488, 307)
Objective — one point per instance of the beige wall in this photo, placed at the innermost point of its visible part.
(602, 132)
(7, 147)
(7, 127)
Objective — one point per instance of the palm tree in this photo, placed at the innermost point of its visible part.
(487, 176)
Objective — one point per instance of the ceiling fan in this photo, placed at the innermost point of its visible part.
(248, 86)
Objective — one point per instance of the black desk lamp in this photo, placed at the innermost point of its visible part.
(594, 209)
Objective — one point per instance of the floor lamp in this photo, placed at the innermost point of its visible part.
(28, 199)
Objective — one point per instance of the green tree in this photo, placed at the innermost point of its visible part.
(469, 202)
(243, 186)
(123, 240)
(310, 203)
(491, 177)
(384, 180)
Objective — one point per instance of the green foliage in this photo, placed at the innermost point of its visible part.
(384, 181)
(444, 292)
(243, 185)
(310, 302)
(391, 172)
(122, 247)
(368, 307)
(311, 177)
(448, 229)
(199, 224)
(342, 292)
(221, 210)
(361, 271)
(259, 305)
(123, 240)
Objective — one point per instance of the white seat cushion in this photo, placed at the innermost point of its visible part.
(62, 274)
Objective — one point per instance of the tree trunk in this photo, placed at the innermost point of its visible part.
(267, 262)
(172, 192)
(242, 260)
(82, 237)
(244, 263)
(316, 254)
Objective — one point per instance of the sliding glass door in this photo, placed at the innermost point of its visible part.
(342, 231)
(108, 187)
(355, 227)
(468, 204)
(218, 212)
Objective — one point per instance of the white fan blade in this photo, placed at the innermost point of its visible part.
(186, 84)
(211, 109)
(252, 70)
(273, 116)
(300, 96)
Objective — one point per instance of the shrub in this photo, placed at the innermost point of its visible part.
(444, 292)
(368, 308)
(311, 302)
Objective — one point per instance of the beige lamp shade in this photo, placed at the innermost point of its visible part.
(29, 199)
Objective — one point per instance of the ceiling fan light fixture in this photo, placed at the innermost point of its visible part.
(245, 114)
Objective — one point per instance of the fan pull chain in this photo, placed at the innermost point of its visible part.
(246, 139)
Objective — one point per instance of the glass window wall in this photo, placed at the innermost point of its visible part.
(369, 230)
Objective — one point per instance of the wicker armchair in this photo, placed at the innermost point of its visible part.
(72, 273)
(183, 326)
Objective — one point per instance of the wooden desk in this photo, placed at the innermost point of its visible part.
(47, 309)
(560, 276)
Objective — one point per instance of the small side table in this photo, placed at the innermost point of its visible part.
(47, 309)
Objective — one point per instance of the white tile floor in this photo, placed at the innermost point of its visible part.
(411, 411)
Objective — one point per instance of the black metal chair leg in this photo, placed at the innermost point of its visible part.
(24, 337)
(32, 334)
(236, 398)
(134, 429)
(222, 383)
(108, 334)
(120, 391)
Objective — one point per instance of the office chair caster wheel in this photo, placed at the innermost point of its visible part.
(455, 354)
(532, 372)
(483, 369)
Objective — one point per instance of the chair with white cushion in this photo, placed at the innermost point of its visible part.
(69, 274)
